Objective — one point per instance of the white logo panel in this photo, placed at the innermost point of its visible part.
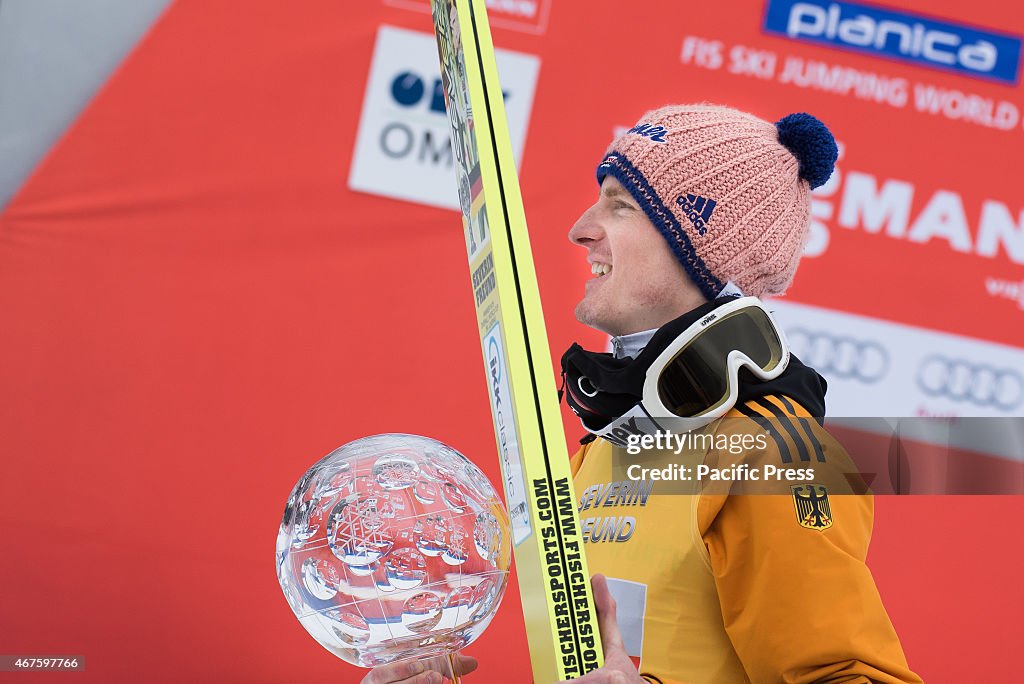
(402, 148)
(879, 368)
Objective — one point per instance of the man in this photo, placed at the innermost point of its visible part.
(698, 204)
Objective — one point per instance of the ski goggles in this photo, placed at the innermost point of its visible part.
(691, 370)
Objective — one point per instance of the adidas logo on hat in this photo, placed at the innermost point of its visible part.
(698, 209)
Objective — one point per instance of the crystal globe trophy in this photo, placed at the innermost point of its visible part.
(394, 547)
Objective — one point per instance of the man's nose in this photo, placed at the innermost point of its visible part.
(586, 229)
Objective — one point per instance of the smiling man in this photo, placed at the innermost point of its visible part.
(636, 284)
(698, 206)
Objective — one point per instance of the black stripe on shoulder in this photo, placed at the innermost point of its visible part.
(787, 423)
(819, 453)
(769, 428)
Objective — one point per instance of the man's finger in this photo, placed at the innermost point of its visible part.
(394, 672)
(465, 664)
(611, 638)
(426, 671)
(409, 672)
(425, 678)
(601, 676)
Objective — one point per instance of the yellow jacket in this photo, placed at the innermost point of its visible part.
(723, 581)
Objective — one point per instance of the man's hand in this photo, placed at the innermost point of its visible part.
(426, 671)
(618, 668)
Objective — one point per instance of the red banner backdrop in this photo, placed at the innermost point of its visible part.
(196, 306)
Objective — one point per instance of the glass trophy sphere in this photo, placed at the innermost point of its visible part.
(394, 547)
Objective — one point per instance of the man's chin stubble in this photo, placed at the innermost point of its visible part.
(589, 318)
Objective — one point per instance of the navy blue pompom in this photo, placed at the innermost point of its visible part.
(812, 144)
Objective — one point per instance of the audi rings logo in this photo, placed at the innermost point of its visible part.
(839, 356)
(976, 383)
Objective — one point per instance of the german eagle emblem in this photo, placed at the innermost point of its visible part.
(812, 509)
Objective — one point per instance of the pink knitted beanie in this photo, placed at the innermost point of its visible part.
(727, 190)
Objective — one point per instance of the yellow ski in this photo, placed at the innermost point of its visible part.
(554, 583)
